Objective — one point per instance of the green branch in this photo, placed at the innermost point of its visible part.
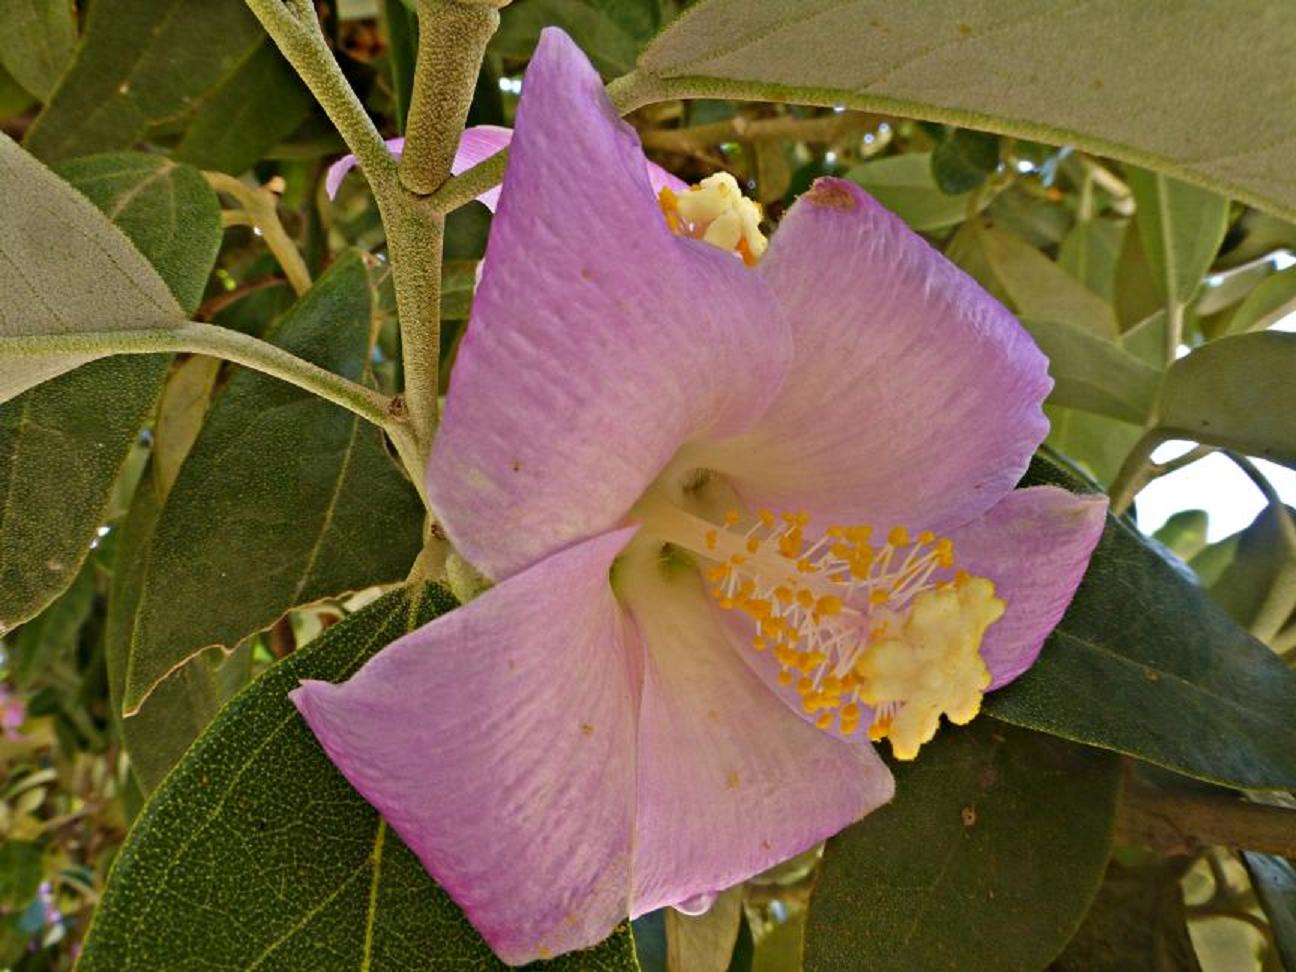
(261, 209)
(219, 342)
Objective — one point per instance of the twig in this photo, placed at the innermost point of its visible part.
(824, 128)
(261, 210)
(1177, 823)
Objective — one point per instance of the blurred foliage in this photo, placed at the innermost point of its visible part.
(1117, 271)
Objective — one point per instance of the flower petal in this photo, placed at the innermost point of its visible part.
(599, 342)
(498, 741)
(1035, 545)
(730, 781)
(914, 397)
(477, 144)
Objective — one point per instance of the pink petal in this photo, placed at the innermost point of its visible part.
(914, 398)
(477, 145)
(599, 342)
(1035, 545)
(498, 741)
(730, 781)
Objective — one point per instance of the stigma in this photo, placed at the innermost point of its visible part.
(716, 211)
(880, 633)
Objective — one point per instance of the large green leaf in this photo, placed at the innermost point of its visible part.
(1144, 663)
(141, 63)
(1237, 392)
(36, 41)
(1274, 880)
(253, 109)
(611, 32)
(63, 443)
(1089, 253)
(986, 859)
(256, 853)
(65, 268)
(1093, 374)
(283, 500)
(1138, 922)
(1272, 300)
(1181, 227)
(1260, 553)
(1130, 80)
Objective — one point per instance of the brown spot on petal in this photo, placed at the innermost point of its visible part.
(831, 195)
(732, 780)
(587, 729)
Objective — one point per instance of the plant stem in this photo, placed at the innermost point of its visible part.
(296, 32)
(452, 42)
(1135, 472)
(1174, 329)
(219, 342)
(261, 207)
(1179, 823)
(824, 128)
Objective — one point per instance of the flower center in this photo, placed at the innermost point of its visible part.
(890, 626)
(715, 210)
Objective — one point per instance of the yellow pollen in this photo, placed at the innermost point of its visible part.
(825, 721)
(898, 537)
(785, 678)
(753, 545)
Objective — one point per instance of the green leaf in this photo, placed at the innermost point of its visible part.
(904, 185)
(281, 479)
(705, 942)
(1236, 392)
(248, 113)
(986, 859)
(401, 27)
(141, 63)
(610, 32)
(1160, 98)
(1145, 664)
(65, 268)
(963, 160)
(1138, 922)
(1274, 880)
(1028, 281)
(167, 210)
(1184, 533)
(1096, 443)
(256, 822)
(63, 444)
(1273, 299)
(14, 100)
(1181, 227)
(1094, 374)
(1259, 555)
(1089, 253)
(36, 42)
(21, 869)
(52, 634)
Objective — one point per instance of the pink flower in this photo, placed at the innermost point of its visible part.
(13, 712)
(670, 687)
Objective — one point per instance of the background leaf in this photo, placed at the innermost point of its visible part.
(254, 108)
(904, 185)
(963, 160)
(1093, 374)
(1181, 227)
(611, 32)
(1236, 392)
(257, 823)
(283, 500)
(36, 41)
(1145, 664)
(1129, 80)
(63, 443)
(141, 63)
(1274, 880)
(986, 859)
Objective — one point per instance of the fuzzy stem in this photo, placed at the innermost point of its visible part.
(296, 32)
(452, 43)
(1135, 472)
(1181, 823)
(260, 207)
(219, 342)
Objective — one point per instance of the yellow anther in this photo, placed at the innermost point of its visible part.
(753, 545)
(805, 599)
(785, 677)
(759, 643)
(805, 567)
(805, 686)
(726, 603)
(731, 517)
(766, 518)
(878, 731)
(879, 597)
(859, 534)
(898, 537)
(828, 605)
(784, 594)
(712, 538)
(825, 721)
(926, 537)
(758, 608)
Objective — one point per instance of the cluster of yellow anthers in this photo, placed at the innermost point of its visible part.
(852, 624)
(716, 211)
